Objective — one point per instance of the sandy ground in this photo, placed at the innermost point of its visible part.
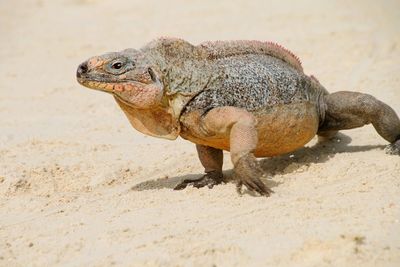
(80, 187)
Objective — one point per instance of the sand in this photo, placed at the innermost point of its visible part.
(80, 187)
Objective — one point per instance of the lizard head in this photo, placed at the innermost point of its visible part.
(128, 75)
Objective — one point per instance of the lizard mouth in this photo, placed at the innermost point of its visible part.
(110, 87)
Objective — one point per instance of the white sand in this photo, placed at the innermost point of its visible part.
(80, 187)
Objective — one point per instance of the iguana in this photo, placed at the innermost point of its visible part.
(251, 98)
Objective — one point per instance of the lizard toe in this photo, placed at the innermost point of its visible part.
(393, 148)
(210, 179)
(248, 173)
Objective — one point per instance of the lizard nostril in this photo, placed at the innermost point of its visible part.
(82, 69)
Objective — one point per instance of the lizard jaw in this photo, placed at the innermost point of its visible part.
(137, 94)
(105, 87)
(108, 87)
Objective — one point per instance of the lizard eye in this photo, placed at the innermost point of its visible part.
(117, 65)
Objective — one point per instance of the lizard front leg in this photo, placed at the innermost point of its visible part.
(239, 126)
(212, 160)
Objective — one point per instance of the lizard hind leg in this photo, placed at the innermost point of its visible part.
(348, 110)
(212, 160)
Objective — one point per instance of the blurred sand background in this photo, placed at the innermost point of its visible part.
(80, 187)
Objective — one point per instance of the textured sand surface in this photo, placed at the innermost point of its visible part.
(80, 187)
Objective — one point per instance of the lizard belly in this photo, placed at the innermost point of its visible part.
(281, 129)
(286, 128)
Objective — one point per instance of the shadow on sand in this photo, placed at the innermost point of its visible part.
(318, 153)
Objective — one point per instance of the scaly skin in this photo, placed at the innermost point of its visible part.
(251, 98)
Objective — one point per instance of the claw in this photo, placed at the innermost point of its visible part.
(239, 187)
(393, 148)
(186, 182)
(263, 192)
(248, 173)
(210, 180)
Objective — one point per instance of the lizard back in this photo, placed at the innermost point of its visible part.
(254, 82)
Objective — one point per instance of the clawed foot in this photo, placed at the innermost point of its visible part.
(210, 179)
(393, 148)
(248, 173)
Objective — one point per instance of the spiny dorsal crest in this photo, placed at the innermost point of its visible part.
(221, 49)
